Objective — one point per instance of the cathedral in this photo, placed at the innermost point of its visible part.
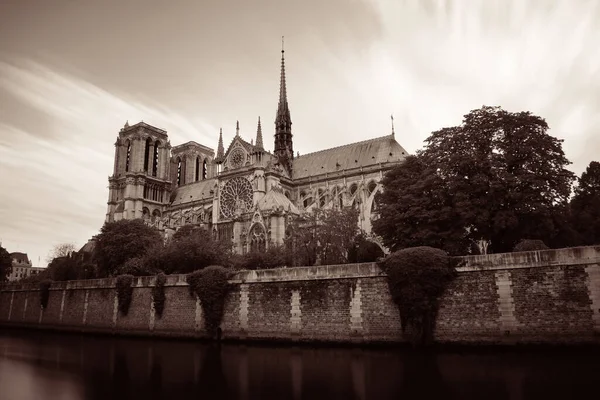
(243, 193)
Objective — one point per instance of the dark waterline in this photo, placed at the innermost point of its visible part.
(37, 365)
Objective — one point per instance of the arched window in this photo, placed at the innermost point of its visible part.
(308, 201)
(155, 159)
(353, 189)
(147, 154)
(197, 168)
(128, 156)
(371, 187)
(257, 238)
(204, 170)
(145, 213)
(179, 171)
(155, 215)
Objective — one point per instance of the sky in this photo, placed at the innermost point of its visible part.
(72, 72)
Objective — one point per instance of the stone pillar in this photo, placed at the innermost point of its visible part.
(593, 284)
(506, 305)
(296, 313)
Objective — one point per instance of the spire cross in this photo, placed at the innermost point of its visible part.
(282, 49)
(392, 125)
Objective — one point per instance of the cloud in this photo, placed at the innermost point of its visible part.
(440, 59)
(55, 174)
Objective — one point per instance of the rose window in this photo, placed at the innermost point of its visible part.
(237, 158)
(236, 197)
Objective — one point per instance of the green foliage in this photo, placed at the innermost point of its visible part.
(211, 286)
(188, 252)
(585, 205)
(530, 245)
(364, 250)
(497, 177)
(158, 294)
(124, 292)
(323, 236)
(45, 292)
(70, 267)
(141, 266)
(5, 264)
(273, 257)
(122, 240)
(417, 277)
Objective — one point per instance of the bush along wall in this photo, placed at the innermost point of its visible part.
(124, 292)
(158, 294)
(211, 286)
(45, 292)
(417, 278)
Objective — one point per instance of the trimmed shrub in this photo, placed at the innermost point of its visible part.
(211, 286)
(124, 292)
(158, 294)
(417, 277)
(45, 292)
(530, 245)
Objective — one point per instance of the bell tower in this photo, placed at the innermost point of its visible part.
(140, 184)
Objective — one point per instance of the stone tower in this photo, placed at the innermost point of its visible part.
(140, 184)
(284, 148)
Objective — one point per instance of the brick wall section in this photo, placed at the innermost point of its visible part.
(552, 301)
(542, 296)
(469, 307)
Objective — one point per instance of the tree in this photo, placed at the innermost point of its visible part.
(192, 250)
(60, 250)
(417, 209)
(323, 236)
(68, 268)
(122, 240)
(585, 205)
(499, 174)
(5, 264)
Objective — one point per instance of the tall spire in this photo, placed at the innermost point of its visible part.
(220, 150)
(283, 112)
(259, 139)
(237, 128)
(284, 148)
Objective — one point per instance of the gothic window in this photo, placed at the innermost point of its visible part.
(287, 194)
(128, 156)
(236, 197)
(257, 238)
(322, 198)
(204, 170)
(353, 189)
(145, 214)
(155, 159)
(308, 201)
(371, 187)
(155, 215)
(147, 154)
(197, 168)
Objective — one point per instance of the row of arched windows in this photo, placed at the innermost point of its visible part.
(151, 157)
(201, 170)
(336, 193)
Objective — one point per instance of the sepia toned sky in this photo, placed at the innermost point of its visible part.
(73, 71)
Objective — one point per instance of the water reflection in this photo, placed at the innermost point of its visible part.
(53, 366)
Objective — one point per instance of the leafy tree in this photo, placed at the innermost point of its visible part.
(585, 205)
(499, 174)
(196, 249)
(417, 209)
(323, 236)
(273, 257)
(60, 250)
(122, 240)
(364, 250)
(67, 268)
(5, 264)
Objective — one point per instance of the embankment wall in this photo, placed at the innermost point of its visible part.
(550, 296)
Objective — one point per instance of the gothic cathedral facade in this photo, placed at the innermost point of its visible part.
(245, 193)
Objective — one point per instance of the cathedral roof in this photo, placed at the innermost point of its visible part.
(194, 191)
(354, 155)
(275, 199)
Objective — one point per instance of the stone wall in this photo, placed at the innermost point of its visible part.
(544, 296)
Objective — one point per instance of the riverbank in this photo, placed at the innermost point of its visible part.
(543, 297)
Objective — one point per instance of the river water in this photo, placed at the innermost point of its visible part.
(38, 366)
